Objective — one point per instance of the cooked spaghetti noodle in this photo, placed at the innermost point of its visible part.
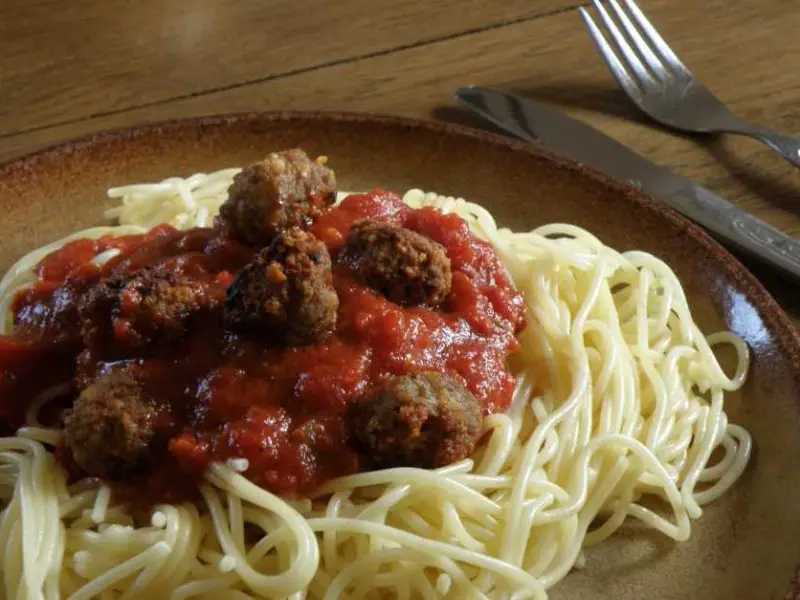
(619, 401)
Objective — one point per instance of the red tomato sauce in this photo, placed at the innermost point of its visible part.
(226, 395)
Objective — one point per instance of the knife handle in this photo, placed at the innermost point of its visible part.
(743, 230)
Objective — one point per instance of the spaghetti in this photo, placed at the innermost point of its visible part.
(618, 402)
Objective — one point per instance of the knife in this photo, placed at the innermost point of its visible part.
(546, 127)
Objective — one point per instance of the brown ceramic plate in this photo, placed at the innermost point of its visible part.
(746, 546)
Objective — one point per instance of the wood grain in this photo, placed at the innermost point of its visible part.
(552, 59)
(61, 61)
(737, 47)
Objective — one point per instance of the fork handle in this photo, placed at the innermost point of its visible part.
(785, 145)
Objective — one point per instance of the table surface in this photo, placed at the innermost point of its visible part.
(69, 69)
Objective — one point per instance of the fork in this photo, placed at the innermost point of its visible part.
(661, 85)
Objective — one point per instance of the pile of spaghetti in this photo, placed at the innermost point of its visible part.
(617, 410)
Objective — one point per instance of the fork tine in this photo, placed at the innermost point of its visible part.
(656, 40)
(620, 40)
(653, 61)
(617, 69)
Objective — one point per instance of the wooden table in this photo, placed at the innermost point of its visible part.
(68, 69)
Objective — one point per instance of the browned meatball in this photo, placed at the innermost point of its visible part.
(122, 313)
(426, 420)
(286, 189)
(287, 291)
(110, 428)
(405, 266)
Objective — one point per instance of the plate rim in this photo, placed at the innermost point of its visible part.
(771, 311)
(784, 332)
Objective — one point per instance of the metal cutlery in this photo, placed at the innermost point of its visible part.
(537, 123)
(661, 85)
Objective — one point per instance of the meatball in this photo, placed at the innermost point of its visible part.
(286, 189)
(426, 420)
(126, 312)
(287, 291)
(405, 266)
(110, 428)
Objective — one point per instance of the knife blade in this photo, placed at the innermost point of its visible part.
(544, 126)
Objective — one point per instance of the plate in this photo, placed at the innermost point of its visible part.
(746, 544)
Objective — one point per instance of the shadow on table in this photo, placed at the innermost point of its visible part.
(779, 192)
(603, 99)
(612, 101)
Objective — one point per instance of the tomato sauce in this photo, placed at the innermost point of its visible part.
(228, 395)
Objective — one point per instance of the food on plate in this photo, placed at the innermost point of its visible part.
(249, 387)
(286, 189)
(286, 291)
(110, 427)
(408, 268)
(425, 420)
(150, 306)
